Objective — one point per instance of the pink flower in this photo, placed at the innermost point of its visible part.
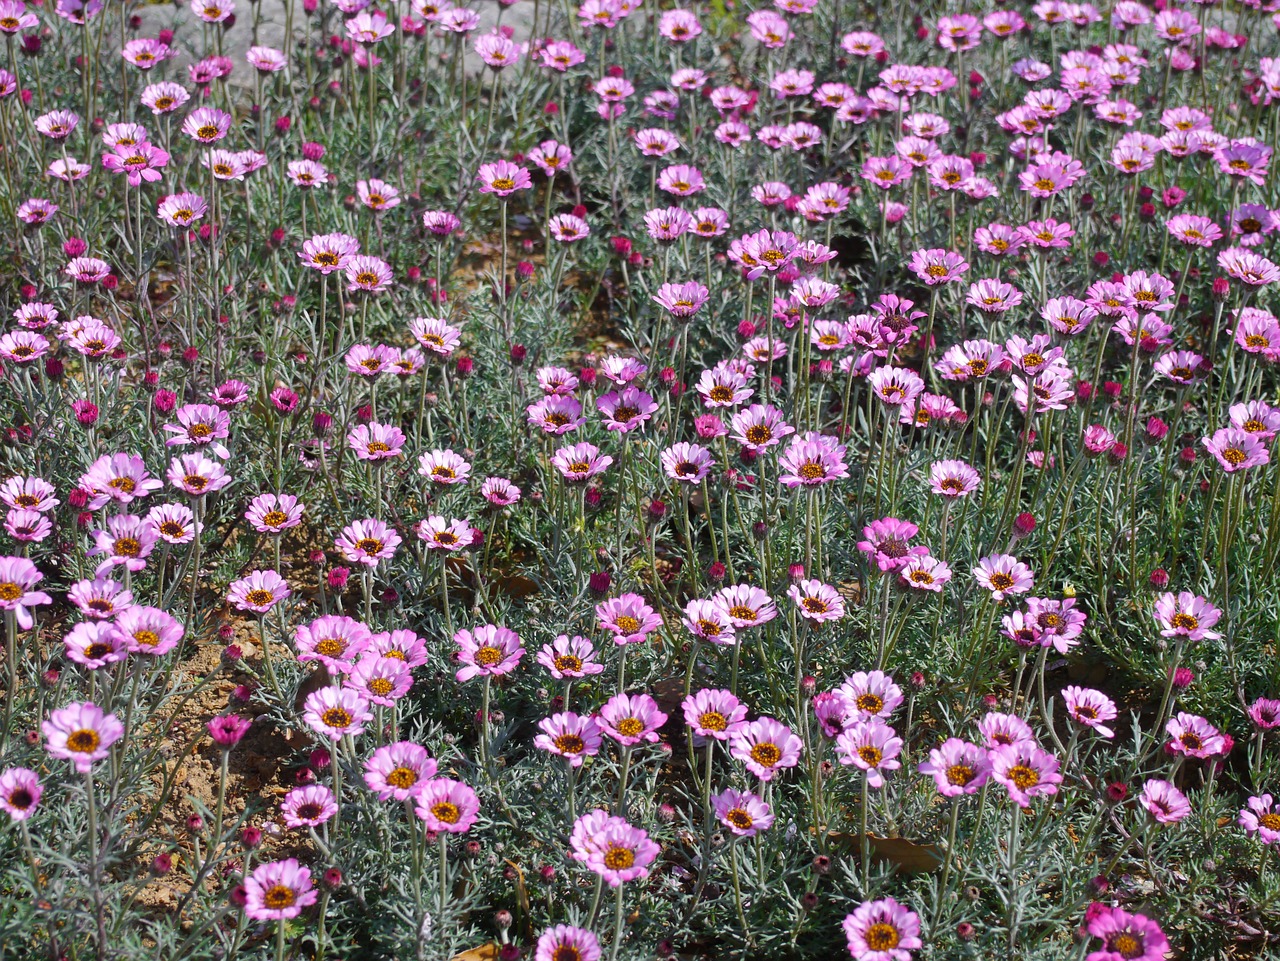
(333, 640)
(499, 491)
(619, 852)
(398, 770)
(197, 475)
(503, 178)
(1236, 450)
(1257, 817)
(81, 733)
(140, 162)
(579, 462)
(207, 124)
(812, 460)
(686, 463)
(148, 630)
(569, 657)
(278, 891)
(329, 252)
(99, 599)
(746, 605)
(227, 730)
(1125, 936)
(383, 680)
(1265, 713)
(759, 427)
(707, 619)
(871, 746)
(1090, 708)
(953, 479)
(444, 467)
(370, 274)
(958, 767)
(683, 300)
(816, 601)
(1164, 802)
(937, 266)
(95, 644)
(489, 650)
(766, 746)
(441, 534)
(888, 543)
(308, 806)
(631, 718)
(20, 792)
(565, 943)
(1194, 736)
(924, 573)
(17, 578)
(117, 477)
(628, 617)
(1026, 771)
(882, 930)
(714, 713)
(569, 735)
(335, 712)
(128, 540)
(1003, 574)
(743, 813)
(200, 425)
(367, 542)
(274, 514)
(1186, 615)
(626, 410)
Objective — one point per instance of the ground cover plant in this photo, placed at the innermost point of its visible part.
(564, 481)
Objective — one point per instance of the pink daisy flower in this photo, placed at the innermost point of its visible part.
(631, 718)
(445, 534)
(308, 806)
(1194, 736)
(569, 657)
(335, 712)
(278, 891)
(708, 620)
(562, 942)
(1026, 771)
(398, 770)
(1003, 574)
(628, 617)
(1090, 708)
(489, 650)
(334, 640)
(1164, 801)
(871, 746)
(743, 813)
(714, 713)
(1257, 817)
(149, 630)
(619, 853)
(383, 680)
(1186, 615)
(572, 736)
(274, 514)
(367, 542)
(258, 591)
(766, 746)
(958, 767)
(1125, 936)
(816, 601)
(81, 733)
(882, 930)
(20, 792)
